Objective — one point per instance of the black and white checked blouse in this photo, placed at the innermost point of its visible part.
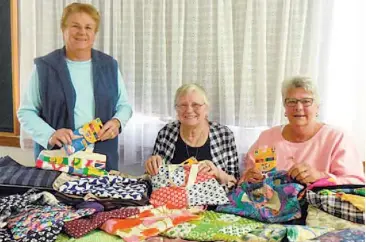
(222, 146)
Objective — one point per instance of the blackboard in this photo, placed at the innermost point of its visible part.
(6, 86)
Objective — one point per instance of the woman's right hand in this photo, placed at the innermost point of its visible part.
(252, 175)
(60, 137)
(152, 164)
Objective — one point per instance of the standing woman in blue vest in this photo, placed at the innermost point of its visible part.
(72, 86)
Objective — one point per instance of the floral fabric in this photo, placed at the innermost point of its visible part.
(148, 223)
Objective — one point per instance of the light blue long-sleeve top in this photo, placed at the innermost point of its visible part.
(84, 111)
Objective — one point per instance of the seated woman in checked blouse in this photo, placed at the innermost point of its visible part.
(192, 135)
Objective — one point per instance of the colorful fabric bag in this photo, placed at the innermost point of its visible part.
(180, 186)
(273, 200)
(80, 163)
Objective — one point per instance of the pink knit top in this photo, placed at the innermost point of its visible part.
(329, 150)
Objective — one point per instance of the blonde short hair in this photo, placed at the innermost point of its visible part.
(188, 88)
(300, 82)
(80, 8)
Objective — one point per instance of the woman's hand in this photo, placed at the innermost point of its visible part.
(152, 164)
(61, 137)
(305, 174)
(208, 167)
(227, 179)
(252, 175)
(110, 130)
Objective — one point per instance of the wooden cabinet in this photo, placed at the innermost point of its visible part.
(9, 73)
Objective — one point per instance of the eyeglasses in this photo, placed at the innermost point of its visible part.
(292, 102)
(183, 107)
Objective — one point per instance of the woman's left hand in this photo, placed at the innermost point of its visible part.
(110, 130)
(209, 168)
(304, 173)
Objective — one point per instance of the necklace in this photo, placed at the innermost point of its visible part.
(188, 152)
(197, 148)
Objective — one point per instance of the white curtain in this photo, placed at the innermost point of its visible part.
(239, 50)
(344, 99)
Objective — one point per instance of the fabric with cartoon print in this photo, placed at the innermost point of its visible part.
(149, 223)
(172, 186)
(273, 200)
(106, 187)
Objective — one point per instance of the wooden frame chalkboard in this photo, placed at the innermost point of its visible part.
(9, 136)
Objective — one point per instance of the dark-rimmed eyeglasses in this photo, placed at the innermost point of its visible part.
(292, 102)
(183, 107)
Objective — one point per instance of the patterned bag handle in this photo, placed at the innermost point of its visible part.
(171, 169)
(267, 185)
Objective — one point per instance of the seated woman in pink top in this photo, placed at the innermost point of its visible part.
(306, 148)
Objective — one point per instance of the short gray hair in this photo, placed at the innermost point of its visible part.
(188, 88)
(304, 82)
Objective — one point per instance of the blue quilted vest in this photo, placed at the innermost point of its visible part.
(58, 96)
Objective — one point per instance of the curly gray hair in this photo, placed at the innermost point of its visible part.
(304, 82)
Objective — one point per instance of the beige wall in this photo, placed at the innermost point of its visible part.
(24, 157)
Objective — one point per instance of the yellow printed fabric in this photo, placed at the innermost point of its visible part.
(356, 200)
